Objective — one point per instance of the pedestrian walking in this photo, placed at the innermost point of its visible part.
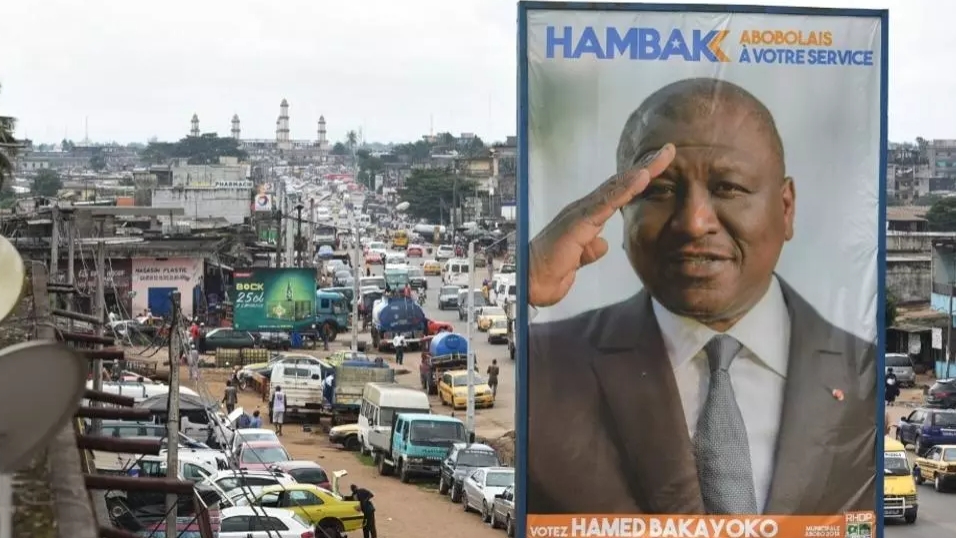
(399, 344)
(364, 498)
(278, 410)
(492, 372)
(230, 397)
(193, 361)
(892, 387)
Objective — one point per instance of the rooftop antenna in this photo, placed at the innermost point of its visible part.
(431, 125)
(86, 130)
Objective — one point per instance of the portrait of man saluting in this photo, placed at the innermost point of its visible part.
(717, 388)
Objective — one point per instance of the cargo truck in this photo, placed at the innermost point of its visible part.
(417, 445)
(345, 394)
(393, 315)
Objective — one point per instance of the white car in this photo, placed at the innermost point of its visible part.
(260, 522)
(232, 480)
(445, 252)
(482, 485)
(246, 435)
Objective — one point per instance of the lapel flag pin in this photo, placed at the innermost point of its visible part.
(837, 395)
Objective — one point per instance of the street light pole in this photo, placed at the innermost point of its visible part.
(298, 235)
(470, 297)
(949, 323)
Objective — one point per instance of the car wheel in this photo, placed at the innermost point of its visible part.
(456, 494)
(352, 443)
(509, 527)
(938, 483)
(485, 516)
(899, 436)
(403, 475)
(332, 528)
(442, 486)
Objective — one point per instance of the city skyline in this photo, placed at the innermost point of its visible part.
(394, 71)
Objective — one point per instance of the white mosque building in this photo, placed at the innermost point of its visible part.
(283, 144)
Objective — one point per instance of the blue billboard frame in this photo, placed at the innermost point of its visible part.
(521, 329)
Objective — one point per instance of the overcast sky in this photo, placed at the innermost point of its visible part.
(132, 69)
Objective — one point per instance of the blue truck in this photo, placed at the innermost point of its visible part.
(393, 315)
(331, 314)
(418, 445)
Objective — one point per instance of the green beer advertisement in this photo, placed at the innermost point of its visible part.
(273, 299)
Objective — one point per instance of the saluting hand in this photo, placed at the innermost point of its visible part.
(572, 239)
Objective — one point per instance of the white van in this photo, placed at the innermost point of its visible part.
(505, 292)
(302, 385)
(455, 272)
(380, 403)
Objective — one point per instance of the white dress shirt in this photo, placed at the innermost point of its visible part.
(758, 373)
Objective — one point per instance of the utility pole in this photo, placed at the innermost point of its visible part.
(278, 215)
(297, 247)
(470, 297)
(99, 307)
(357, 274)
(70, 264)
(949, 324)
(172, 420)
(310, 232)
(55, 246)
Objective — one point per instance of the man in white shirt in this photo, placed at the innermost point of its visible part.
(398, 342)
(278, 409)
(717, 389)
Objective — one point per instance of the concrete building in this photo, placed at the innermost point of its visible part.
(283, 146)
(236, 128)
(233, 204)
(941, 155)
(227, 172)
(194, 126)
(283, 141)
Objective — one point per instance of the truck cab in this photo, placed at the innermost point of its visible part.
(331, 313)
(419, 444)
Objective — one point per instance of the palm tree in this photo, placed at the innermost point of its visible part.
(351, 140)
(8, 147)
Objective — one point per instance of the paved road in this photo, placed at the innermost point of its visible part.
(936, 517)
(488, 422)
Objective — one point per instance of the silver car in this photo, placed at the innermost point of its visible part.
(902, 367)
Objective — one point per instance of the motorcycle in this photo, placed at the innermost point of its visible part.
(421, 299)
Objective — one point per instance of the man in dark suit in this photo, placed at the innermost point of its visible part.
(717, 389)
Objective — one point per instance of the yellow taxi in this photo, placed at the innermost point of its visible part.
(499, 331)
(315, 505)
(900, 499)
(488, 315)
(938, 465)
(453, 390)
(431, 268)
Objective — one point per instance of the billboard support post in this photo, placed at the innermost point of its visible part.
(470, 297)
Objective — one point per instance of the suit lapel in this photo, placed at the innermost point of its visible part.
(811, 412)
(645, 415)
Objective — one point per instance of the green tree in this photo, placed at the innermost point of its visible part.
(204, 149)
(942, 215)
(474, 148)
(414, 153)
(351, 140)
(431, 193)
(98, 161)
(340, 149)
(8, 148)
(369, 167)
(67, 145)
(890, 313)
(47, 183)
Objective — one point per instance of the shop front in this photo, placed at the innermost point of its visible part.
(154, 279)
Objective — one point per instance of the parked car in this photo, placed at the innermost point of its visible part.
(444, 252)
(938, 465)
(261, 455)
(305, 472)
(926, 428)
(482, 486)
(462, 459)
(345, 435)
(942, 394)
(453, 390)
(225, 338)
(503, 511)
(415, 251)
(274, 340)
(315, 505)
(902, 368)
(233, 479)
(249, 435)
(256, 521)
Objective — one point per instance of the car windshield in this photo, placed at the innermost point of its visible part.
(894, 464)
(945, 420)
(312, 475)
(268, 454)
(500, 479)
(246, 437)
(492, 311)
(949, 455)
(500, 324)
(897, 361)
(462, 380)
(477, 458)
(415, 271)
(449, 290)
(374, 281)
(428, 430)
(386, 414)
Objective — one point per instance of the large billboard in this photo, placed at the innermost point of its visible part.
(273, 299)
(702, 276)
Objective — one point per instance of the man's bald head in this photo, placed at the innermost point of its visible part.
(692, 100)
